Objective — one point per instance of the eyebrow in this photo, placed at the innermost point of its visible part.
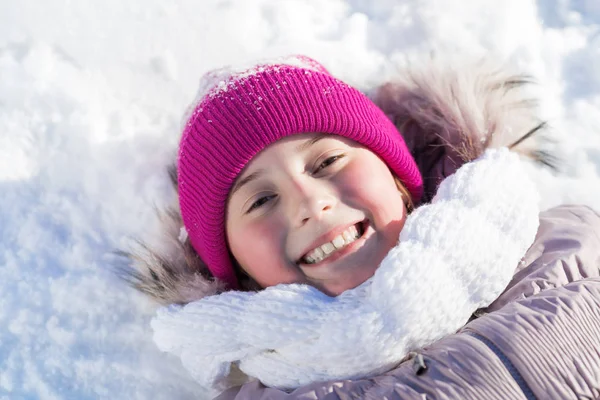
(256, 174)
(308, 143)
(253, 176)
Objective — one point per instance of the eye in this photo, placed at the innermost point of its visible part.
(328, 161)
(260, 202)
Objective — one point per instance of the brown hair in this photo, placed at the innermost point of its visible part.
(408, 200)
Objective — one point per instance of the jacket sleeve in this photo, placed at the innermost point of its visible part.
(566, 252)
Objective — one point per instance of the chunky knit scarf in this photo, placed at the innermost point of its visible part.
(454, 256)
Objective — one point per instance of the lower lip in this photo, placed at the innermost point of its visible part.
(344, 251)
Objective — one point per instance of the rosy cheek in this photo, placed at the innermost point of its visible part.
(258, 249)
(357, 174)
(369, 185)
(253, 240)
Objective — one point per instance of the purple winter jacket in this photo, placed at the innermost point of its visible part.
(539, 340)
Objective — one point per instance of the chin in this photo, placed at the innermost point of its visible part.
(336, 290)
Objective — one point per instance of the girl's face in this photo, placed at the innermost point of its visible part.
(315, 209)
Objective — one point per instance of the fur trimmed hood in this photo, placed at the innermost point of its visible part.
(448, 116)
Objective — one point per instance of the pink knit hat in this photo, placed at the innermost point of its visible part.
(240, 113)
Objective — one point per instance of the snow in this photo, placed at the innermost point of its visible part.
(219, 81)
(91, 99)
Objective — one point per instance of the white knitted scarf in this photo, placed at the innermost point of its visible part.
(454, 256)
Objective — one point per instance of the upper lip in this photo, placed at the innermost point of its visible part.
(328, 237)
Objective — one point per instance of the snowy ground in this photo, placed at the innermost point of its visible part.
(91, 95)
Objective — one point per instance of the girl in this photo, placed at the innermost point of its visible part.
(291, 181)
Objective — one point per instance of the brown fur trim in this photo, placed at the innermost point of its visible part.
(176, 275)
(172, 273)
(450, 115)
(447, 117)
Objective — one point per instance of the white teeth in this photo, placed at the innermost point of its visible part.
(318, 253)
(339, 242)
(326, 249)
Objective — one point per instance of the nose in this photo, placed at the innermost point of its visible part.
(312, 199)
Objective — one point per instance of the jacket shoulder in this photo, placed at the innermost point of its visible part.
(566, 249)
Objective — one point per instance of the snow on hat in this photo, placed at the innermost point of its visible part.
(240, 112)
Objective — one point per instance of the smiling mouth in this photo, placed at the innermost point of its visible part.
(328, 249)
